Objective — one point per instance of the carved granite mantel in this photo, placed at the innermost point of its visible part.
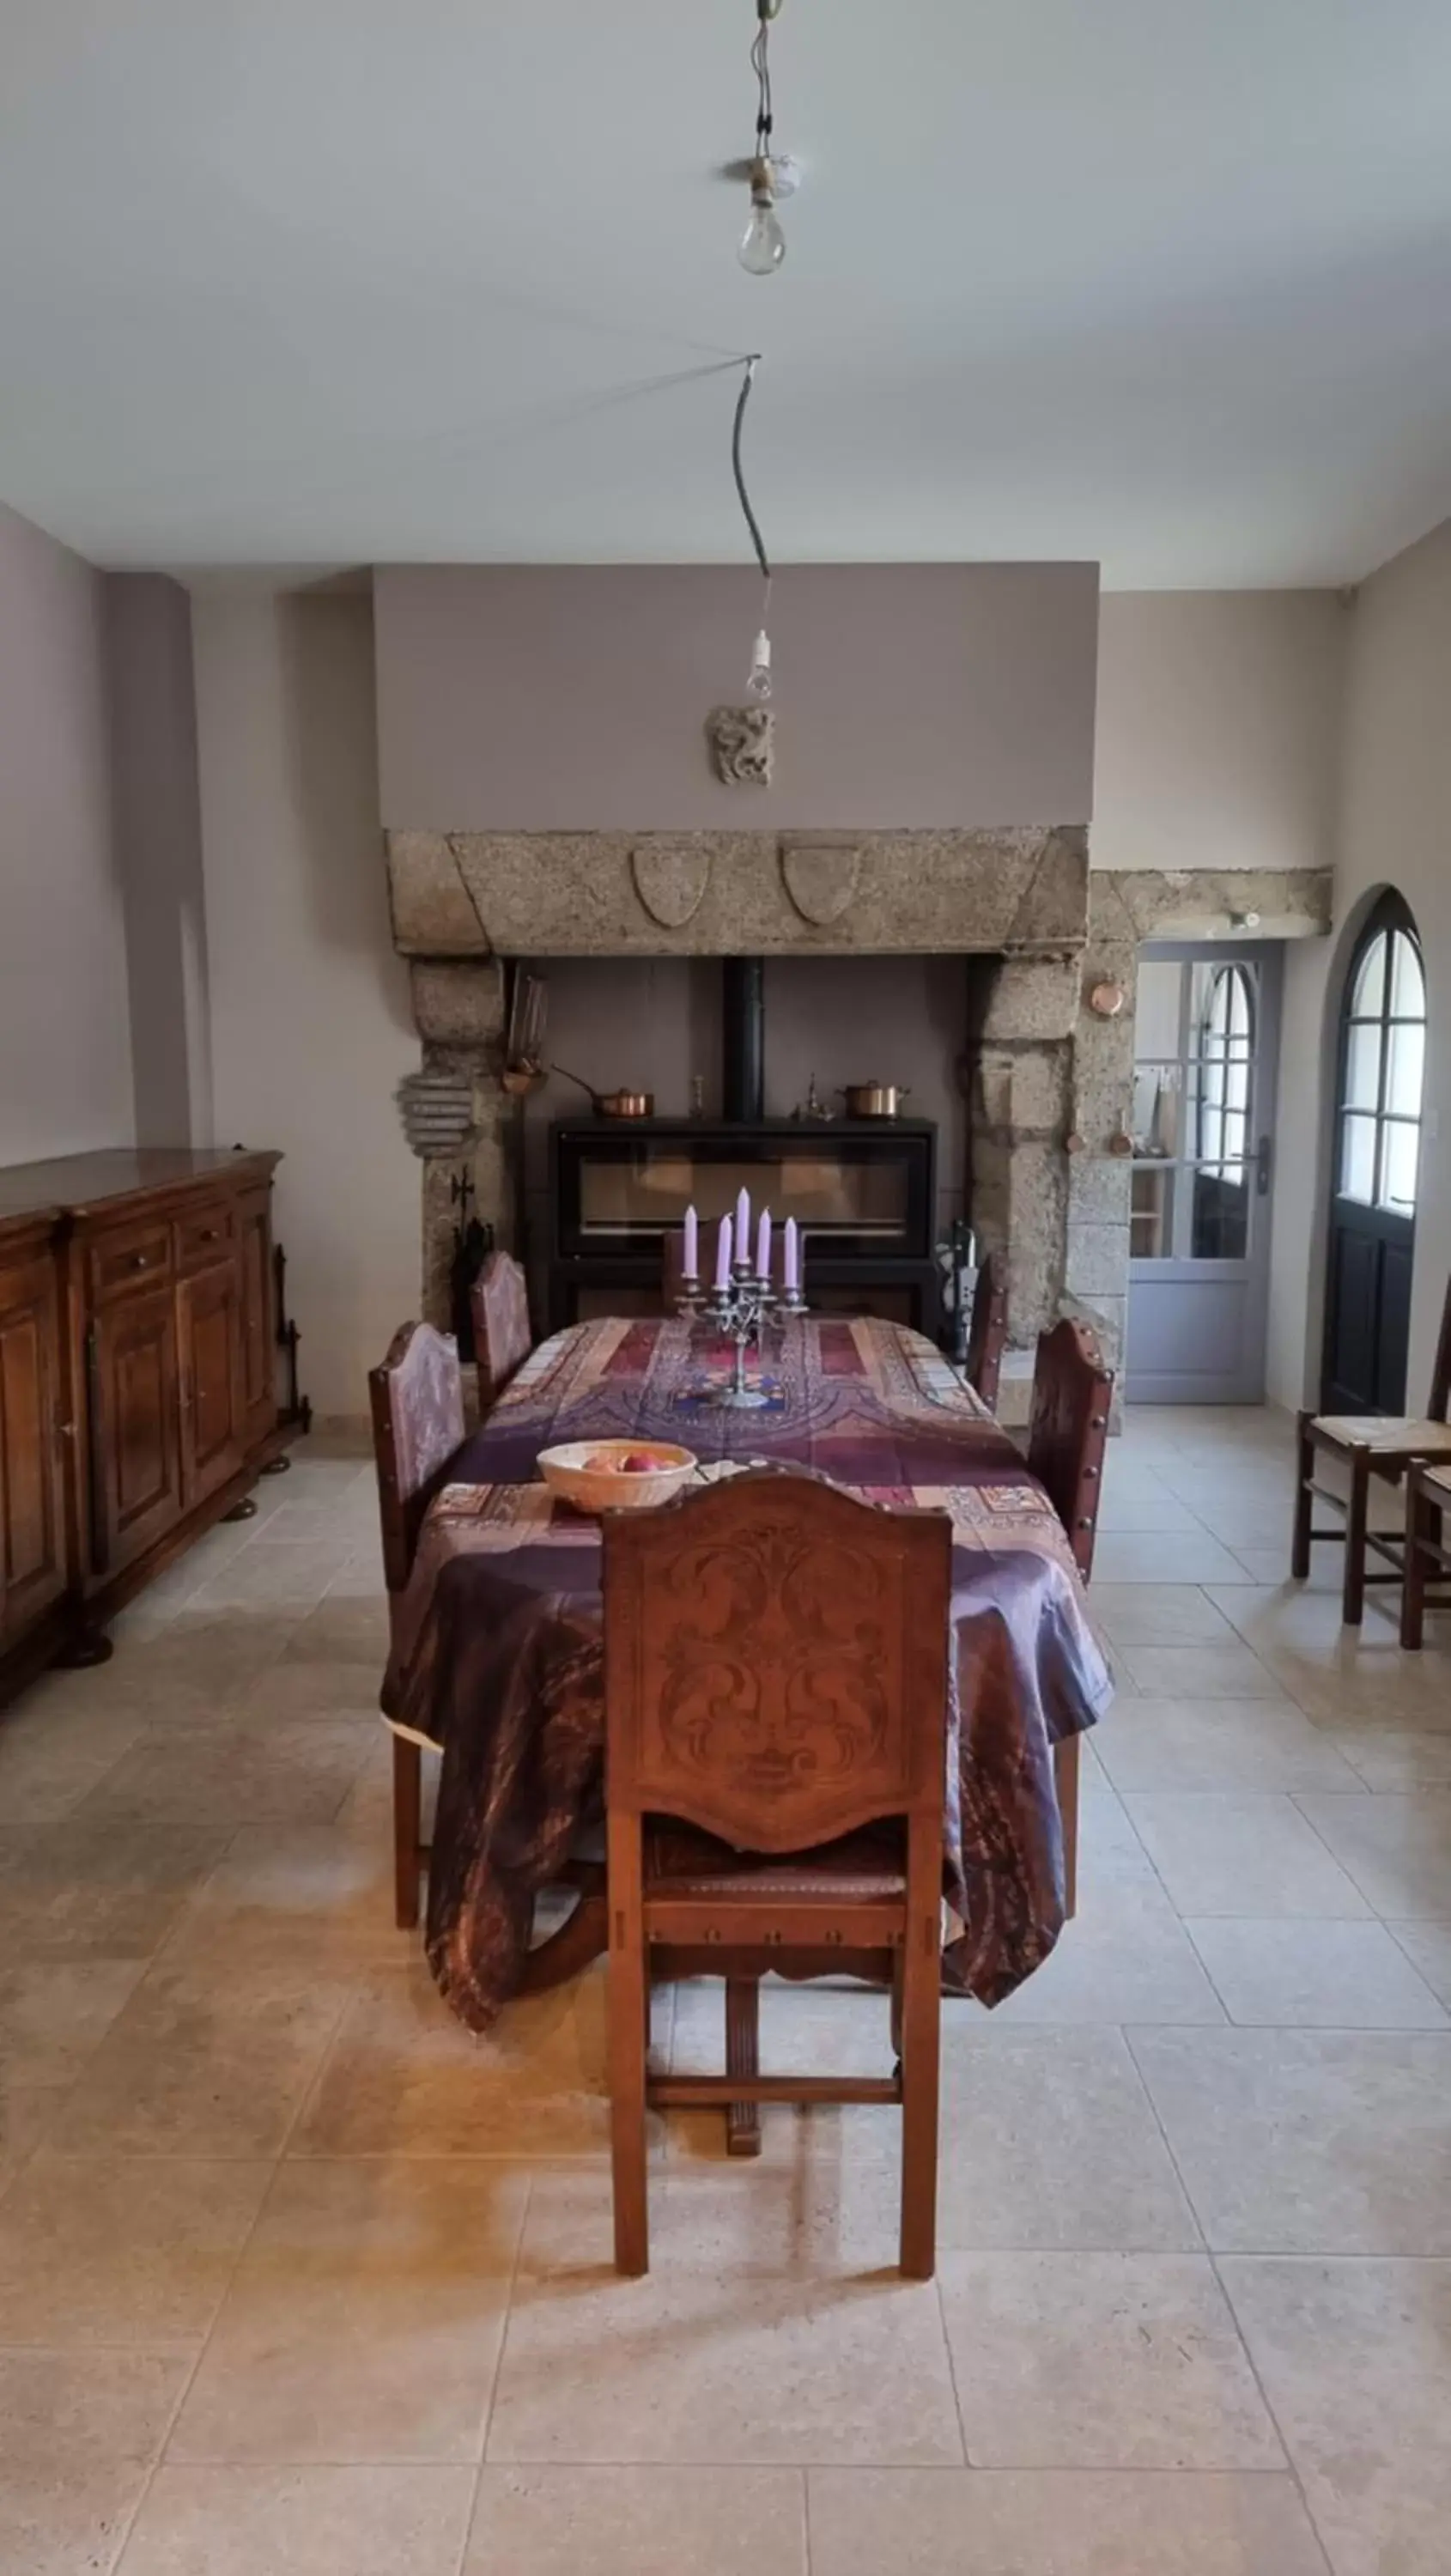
(1015, 893)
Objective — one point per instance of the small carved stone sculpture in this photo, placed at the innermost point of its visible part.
(437, 1109)
(742, 744)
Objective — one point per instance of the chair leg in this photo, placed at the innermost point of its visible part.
(1413, 1589)
(407, 1829)
(1356, 1518)
(628, 1996)
(743, 2057)
(1304, 1498)
(1066, 1766)
(921, 2020)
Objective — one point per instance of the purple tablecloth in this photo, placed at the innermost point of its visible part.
(498, 1656)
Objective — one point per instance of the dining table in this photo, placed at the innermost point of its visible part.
(497, 1655)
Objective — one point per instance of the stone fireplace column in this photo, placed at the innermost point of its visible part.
(459, 1010)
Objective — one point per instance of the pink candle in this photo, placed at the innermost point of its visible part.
(723, 1254)
(763, 1245)
(692, 1244)
(792, 1280)
(743, 1226)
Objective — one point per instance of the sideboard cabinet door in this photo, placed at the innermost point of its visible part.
(135, 1398)
(208, 1313)
(32, 1520)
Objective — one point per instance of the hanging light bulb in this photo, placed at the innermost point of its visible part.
(759, 683)
(763, 244)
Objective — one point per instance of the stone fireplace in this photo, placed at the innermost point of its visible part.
(1049, 951)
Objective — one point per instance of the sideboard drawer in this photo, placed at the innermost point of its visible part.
(203, 1236)
(129, 1257)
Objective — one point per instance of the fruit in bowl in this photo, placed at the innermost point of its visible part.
(616, 1475)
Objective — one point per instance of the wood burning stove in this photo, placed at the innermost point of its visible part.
(864, 1192)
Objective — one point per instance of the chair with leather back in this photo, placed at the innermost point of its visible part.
(416, 1396)
(503, 1337)
(1367, 1447)
(776, 1688)
(1067, 1440)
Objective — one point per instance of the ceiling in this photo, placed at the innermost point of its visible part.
(1163, 282)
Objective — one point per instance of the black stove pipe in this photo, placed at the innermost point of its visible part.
(743, 1039)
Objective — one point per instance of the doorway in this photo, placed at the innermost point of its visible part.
(1206, 1052)
(1380, 1061)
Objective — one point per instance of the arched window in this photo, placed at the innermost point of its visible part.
(1226, 1054)
(1383, 1051)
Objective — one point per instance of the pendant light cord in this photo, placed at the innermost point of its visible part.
(761, 66)
(757, 540)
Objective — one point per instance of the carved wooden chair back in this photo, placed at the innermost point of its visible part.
(988, 1330)
(503, 1340)
(1068, 1432)
(418, 1423)
(775, 1676)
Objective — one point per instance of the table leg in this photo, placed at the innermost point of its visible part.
(570, 1950)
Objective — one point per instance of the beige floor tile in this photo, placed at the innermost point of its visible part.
(300, 2522)
(201, 1660)
(638, 2522)
(1176, 1556)
(1048, 2142)
(78, 2436)
(204, 2062)
(1428, 1947)
(1392, 1760)
(365, 2320)
(345, 1628)
(1357, 1677)
(52, 1754)
(1226, 1671)
(1139, 1514)
(1100, 2361)
(269, 1574)
(1356, 2361)
(86, 1888)
(27, 2112)
(310, 1688)
(121, 2251)
(1309, 2141)
(199, 1771)
(1058, 2522)
(720, 2354)
(1159, 1614)
(1287, 1974)
(285, 1893)
(1151, 1743)
(405, 2078)
(1252, 1854)
(1397, 1850)
(1125, 1957)
(55, 2012)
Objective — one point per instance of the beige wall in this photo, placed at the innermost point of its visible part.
(1394, 829)
(309, 1007)
(557, 698)
(1218, 722)
(65, 1030)
(157, 813)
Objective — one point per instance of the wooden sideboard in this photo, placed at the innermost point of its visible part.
(137, 1379)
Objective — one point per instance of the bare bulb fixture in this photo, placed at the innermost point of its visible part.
(759, 683)
(763, 244)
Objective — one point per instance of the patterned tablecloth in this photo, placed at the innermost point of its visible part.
(498, 1654)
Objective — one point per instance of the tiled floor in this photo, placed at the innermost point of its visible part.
(296, 2276)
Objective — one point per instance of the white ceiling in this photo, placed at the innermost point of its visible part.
(1165, 282)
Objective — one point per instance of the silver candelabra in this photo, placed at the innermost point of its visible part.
(742, 1311)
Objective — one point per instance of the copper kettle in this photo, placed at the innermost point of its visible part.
(874, 1099)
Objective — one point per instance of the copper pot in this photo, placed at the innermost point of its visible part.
(612, 1104)
(875, 1099)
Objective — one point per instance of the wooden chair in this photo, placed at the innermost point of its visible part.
(1428, 1548)
(503, 1339)
(776, 1686)
(1067, 1438)
(418, 1424)
(1366, 1445)
(988, 1330)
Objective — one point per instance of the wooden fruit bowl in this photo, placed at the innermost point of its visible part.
(592, 1475)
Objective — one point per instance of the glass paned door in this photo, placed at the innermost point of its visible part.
(1203, 1121)
(1377, 1157)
